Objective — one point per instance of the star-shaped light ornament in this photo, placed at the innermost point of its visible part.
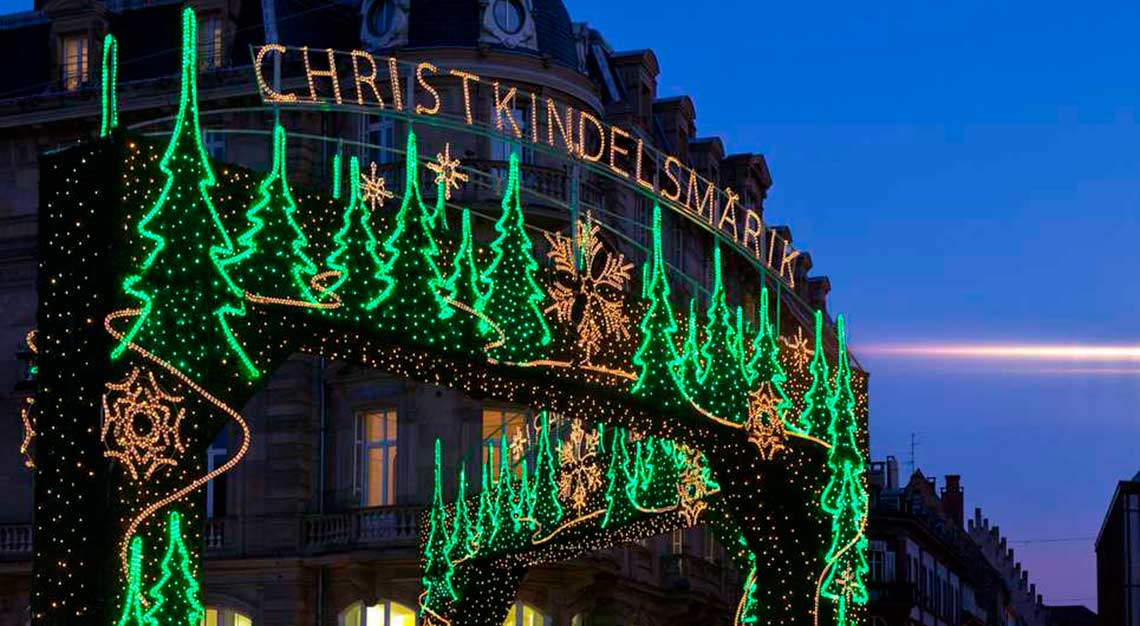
(141, 424)
(374, 189)
(518, 445)
(764, 427)
(800, 347)
(447, 174)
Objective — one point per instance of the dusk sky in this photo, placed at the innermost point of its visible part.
(965, 172)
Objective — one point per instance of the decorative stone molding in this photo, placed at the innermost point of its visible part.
(493, 33)
(397, 33)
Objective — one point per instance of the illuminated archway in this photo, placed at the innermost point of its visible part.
(171, 285)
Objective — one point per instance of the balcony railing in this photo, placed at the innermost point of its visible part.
(15, 542)
(380, 526)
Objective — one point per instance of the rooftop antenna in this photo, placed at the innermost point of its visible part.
(913, 446)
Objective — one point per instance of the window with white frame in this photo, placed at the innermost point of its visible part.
(380, 135)
(501, 148)
(216, 455)
(217, 616)
(498, 420)
(73, 60)
(522, 614)
(215, 144)
(383, 613)
(210, 41)
(375, 458)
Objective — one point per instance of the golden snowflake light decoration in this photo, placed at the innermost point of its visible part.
(141, 424)
(596, 283)
(580, 474)
(374, 189)
(800, 348)
(518, 445)
(693, 487)
(447, 172)
(764, 427)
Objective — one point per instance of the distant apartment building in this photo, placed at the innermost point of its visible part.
(929, 569)
(1118, 557)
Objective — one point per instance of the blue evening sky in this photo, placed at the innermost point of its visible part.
(964, 172)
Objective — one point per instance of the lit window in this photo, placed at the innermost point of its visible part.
(501, 420)
(216, 454)
(225, 617)
(678, 541)
(210, 42)
(73, 61)
(523, 614)
(384, 613)
(501, 148)
(215, 144)
(376, 457)
(382, 16)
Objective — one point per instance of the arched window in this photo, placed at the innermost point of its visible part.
(523, 614)
(383, 613)
(218, 616)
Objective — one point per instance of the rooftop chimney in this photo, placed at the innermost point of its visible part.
(952, 499)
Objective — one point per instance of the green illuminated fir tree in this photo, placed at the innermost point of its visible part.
(845, 497)
(750, 612)
(133, 611)
(817, 400)
(186, 295)
(622, 484)
(273, 261)
(659, 466)
(411, 305)
(523, 497)
(438, 571)
(723, 389)
(487, 518)
(174, 598)
(463, 530)
(356, 256)
(691, 366)
(463, 286)
(764, 367)
(512, 297)
(656, 359)
(506, 503)
(545, 509)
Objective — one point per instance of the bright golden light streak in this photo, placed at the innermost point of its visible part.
(1010, 352)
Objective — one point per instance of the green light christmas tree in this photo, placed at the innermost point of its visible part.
(487, 519)
(723, 389)
(656, 358)
(765, 367)
(133, 611)
(186, 293)
(174, 598)
(817, 412)
(845, 497)
(691, 365)
(511, 295)
(273, 261)
(545, 509)
(463, 532)
(411, 304)
(438, 570)
(356, 258)
(462, 286)
(620, 490)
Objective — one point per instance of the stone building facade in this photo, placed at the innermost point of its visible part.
(1118, 557)
(318, 525)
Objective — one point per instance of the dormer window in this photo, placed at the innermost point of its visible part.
(509, 15)
(210, 42)
(73, 64)
(382, 16)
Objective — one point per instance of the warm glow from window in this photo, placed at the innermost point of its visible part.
(376, 456)
(522, 614)
(496, 421)
(225, 617)
(73, 61)
(210, 42)
(386, 613)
